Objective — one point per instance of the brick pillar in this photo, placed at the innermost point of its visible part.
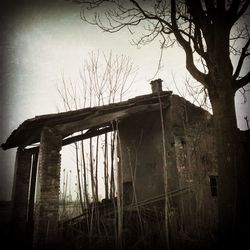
(20, 195)
(47, 204)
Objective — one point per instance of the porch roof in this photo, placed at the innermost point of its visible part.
(67, 123)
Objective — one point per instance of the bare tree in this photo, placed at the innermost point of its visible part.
(104, 79)
(214, 32)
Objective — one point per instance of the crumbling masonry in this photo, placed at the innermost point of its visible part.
(150, 127)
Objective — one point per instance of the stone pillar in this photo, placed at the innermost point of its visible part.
(20, 195)
(47, 204)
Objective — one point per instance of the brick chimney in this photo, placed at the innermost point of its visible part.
(156, 86)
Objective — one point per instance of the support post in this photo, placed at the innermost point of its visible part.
(47, 211)
(30, 215)
(20, 196)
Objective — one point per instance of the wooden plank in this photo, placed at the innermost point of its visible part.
(76, 138)
(86, 135)
(97, 119)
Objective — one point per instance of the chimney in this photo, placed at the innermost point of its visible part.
(156, 86)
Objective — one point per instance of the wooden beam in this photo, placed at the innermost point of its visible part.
(30, 139)
(33, 150)
(87, 135)
(98, 119)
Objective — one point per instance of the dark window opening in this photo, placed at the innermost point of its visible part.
(183, 142)
(213, 185)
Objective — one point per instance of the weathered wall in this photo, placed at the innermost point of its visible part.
(196, 164)
(190, 164)
(141, 158)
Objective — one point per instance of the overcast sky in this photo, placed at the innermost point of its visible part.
(40, 41)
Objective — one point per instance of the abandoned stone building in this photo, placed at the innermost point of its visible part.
(165, 146)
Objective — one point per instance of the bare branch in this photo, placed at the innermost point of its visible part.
(243, 55)
(199, 76)
(242, 82)
(237, 9)
(243, 92)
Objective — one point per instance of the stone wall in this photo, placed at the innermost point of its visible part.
(197, 171)
(190, 164)
(141, 159)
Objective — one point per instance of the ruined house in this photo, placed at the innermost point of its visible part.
(165, 146)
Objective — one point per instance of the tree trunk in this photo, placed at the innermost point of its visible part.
(112, 178)
(92, 170)
(96, 168)
(78, 177)
(230, 165)
(84, 175)
(106, 176)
